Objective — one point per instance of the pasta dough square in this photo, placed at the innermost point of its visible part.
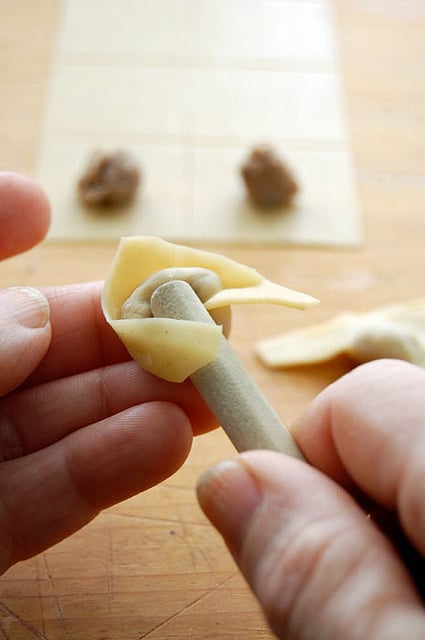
(189, 88)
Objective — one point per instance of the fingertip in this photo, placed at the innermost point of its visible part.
(25, 334)
(313, 432)
(202, 418)
(171, 442)
(228, 495)
(24, 213)
(159, 439)
(130, 452)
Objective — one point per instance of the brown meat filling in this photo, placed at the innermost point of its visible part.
(109, 179)
(268, 181)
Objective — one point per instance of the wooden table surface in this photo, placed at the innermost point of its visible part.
(152, 567)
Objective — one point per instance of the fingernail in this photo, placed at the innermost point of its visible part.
(26, 305)
(229, 495)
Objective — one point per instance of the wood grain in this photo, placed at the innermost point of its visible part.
(152, 567)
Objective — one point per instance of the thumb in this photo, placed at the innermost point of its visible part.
(24, 334)
(318, 566)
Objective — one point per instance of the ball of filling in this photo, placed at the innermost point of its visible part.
(109, 179)
(268, 181)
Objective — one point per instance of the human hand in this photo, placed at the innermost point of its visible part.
(320, 566)
(81, 425)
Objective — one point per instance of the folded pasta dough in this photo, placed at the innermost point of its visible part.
(392, 331)
(174, 349)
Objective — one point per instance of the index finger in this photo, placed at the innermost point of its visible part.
(81, 338)
(24, 214)
(369, 428)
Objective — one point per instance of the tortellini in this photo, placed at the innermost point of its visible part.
(174, 349)
(394, 331)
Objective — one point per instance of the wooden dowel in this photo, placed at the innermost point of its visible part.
(231, 394)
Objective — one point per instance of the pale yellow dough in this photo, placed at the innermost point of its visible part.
(393, 331)
(174, 349)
